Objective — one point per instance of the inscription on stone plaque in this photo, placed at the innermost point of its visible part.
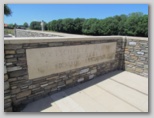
(45, 61)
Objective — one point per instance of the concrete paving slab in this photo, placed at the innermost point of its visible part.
(67, 104)
(112, 92)
(114, 104)
(132, 80)
(125, 93)
(87, 103)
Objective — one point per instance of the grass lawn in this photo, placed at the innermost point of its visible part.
(9, 31)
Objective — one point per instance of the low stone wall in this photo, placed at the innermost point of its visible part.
(7, 94)
(27, 57)
(30, 33)
(136, 55)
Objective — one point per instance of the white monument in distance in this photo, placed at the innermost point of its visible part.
(42, 25)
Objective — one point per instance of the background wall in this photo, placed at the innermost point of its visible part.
(28, 33)
(23, 90)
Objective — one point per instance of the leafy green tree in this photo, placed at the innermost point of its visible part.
(121, 24)
(11, 26)
(25, 24)
(135, 24)
(35, 25)
(131, 23)
(90, 26)
(78, 23)
(142, 29)
(15, 25)
(7, 10)
(68, 25)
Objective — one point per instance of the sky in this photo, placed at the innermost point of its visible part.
(22, 13)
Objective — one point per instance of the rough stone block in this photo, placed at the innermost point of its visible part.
(10, 52)
(23, 94)
(69, 81)
(140, 53)
(6, 85)
(91, 76)
(142, 59)
(7, 91)
(52, 78)
(6, 105)
(18, 73)
(56, 44)
(14, 91)
(9, 56)
(5, 77)
(13, 87)
(11, 60)
(43, 85)
(12, 46)
(12, 79)
(22, 59)
(5, 70)
(20, 51)
(80, 80)
(8, 64)
(132, 43)
(23, 77)
(9, 109)
(93, 71)
(139, 70)
(146, 66)
(61, 84)
(143, 43)
(7, 100)
(48, 87)
(7, 97)
(10, 69)
(84, 70)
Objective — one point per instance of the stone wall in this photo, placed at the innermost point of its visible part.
(30, 33)
(131, 54)
(136, 56)
(7, 96)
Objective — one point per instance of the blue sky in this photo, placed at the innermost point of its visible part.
(36, 12)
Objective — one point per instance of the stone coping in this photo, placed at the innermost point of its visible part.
(21, 40)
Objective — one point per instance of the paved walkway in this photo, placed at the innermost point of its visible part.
(118, 91)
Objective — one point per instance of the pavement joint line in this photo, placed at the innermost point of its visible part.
(129, 87)
(120, 98)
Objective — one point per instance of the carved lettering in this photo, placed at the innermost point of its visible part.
(45, 61)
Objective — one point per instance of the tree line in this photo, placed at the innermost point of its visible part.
(134, 24)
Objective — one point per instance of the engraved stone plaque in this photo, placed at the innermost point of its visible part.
(45, 61)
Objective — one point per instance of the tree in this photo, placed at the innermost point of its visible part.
(35, 25)
(134, 24)
(78, 23)
(25, 25)
(15, 25)
(131, 23)
(90, 26)
(7, 10)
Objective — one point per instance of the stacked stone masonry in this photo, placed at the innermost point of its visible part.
(24, 90)
(136, 56)
(7, 92)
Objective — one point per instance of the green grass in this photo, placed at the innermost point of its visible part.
(9, 31)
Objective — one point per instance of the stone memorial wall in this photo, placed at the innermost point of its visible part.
(38, 67)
